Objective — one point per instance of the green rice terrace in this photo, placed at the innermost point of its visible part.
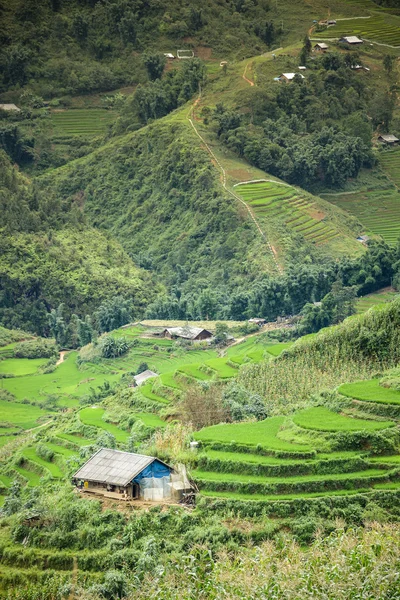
(379, 298)
(377, 208)
(54, 421)
(381, 27)
(281, 459)
(81, 122)
(298, 212)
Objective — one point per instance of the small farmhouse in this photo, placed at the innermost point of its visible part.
(286, 77)
(257, 321)
(9, 107)
(144, 376)
(320, 47)
(126, 476)
(388, 139)
(187, 333)
(351, 39)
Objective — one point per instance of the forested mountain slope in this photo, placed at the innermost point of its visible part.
(49, 256)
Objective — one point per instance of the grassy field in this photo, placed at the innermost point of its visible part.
(15, 416)
(87, 122)
(322, 419)
(370, 391)
(94, 416)
(21, 366)
(379, 28)
(263, 433)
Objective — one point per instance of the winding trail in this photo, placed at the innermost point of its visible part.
(224, 185)
(244, 75)
(61, 359)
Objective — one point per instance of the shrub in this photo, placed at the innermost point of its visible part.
(38, 348)
(111, 347)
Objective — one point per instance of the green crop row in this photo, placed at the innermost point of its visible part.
(322, 419)
(370, 391)
(340, 481)
(283, 468)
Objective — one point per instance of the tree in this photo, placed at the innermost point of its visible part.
(307, 44)
(58, 327)
(221, 334)
(141, 368)
(113, 314)
(154, 64)
(111, 347)
(388, 63)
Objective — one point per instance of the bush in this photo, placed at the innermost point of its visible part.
(111, 347)
(38, 348)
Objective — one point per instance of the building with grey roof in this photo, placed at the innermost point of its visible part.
(10, 107)
(387, 138)
(187, 333)
(125, 476)
(144, 376)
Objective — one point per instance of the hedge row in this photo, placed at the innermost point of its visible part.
(248, 449)
(317, 467)
(295, 487)
(101, 560)
(387, 411)
(327, 507)
(376, 442)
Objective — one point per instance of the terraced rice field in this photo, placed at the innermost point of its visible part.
(75, 439)
(390, 162)
(377, 210)
(146, 391)
(321, 419)
(150, 420)
(66, 381)
(380, 27)
(81, 122)
(15, 417)
(299, 213)
(370, 391)
(263, 433)
(51, 467)
(377, 299)
(94, 416)
(21, 366)
(32, 478)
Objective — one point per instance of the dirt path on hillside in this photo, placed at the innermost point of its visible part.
(61, 359)
(218, 165)
(244, 76)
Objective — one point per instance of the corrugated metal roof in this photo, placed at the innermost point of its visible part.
(189, 333)
(142, 377)
(389, 137)
(9, 107)
(352, 39)
(113, 467)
